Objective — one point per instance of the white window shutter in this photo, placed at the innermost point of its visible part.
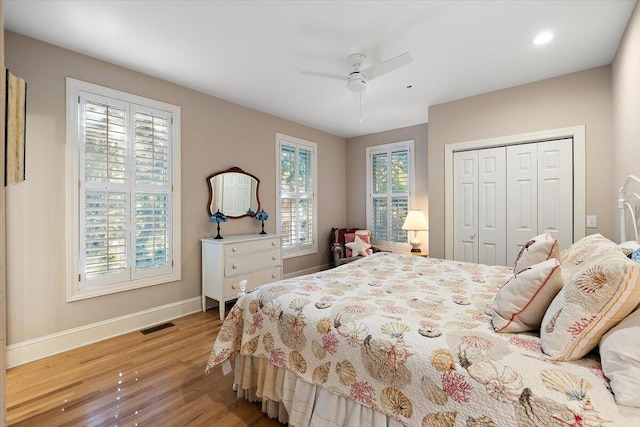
(389, 181)
(125, 197)
(297, 197)
(152, 205)
(103, 199)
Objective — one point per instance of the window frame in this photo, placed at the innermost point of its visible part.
(389, 148)
(297, 249)
(76, 186)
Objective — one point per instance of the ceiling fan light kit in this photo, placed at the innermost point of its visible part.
(357, 82)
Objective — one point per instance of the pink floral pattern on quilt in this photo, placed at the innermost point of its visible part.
(410, 337)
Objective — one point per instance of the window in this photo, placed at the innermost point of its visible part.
(297, 206)
(389, 191)
(124, 210)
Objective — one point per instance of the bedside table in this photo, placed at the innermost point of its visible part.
(424, 254)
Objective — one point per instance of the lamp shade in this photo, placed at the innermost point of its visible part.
(415, 221)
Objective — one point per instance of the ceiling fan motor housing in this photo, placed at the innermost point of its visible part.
(357, 82)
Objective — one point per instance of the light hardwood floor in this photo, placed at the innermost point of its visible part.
(132, 380)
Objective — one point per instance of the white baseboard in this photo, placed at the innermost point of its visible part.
(48, 345)
(307, 271)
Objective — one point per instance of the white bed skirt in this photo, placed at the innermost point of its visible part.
(291, 400)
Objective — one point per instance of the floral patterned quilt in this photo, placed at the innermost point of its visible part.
(411, 337)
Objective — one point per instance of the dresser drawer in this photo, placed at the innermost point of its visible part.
(235, 265)
(231, 285)
(239, 248)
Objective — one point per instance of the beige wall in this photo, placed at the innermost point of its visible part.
(356, 172)
(215, 135)
(625, 71)
(582, 98)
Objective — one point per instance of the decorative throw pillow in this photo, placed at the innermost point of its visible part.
(602, 292)
(588, 248)
(635, 255)
(521, 304)
(620, 357)
(629, 246)
(536, 250)
(364, 236)
(359, 246)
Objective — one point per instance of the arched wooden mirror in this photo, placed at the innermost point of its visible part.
(234, 192)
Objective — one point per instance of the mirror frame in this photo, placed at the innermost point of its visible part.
(234, 169)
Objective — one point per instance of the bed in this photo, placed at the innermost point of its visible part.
(399, 340)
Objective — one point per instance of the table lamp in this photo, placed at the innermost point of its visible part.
(415, 221)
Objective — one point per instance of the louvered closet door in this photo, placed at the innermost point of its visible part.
(491, 206)
(465, 206)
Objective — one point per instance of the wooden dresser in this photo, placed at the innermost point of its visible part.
(225, 262)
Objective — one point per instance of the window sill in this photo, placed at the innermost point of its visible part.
(295, 254)
(98, 291)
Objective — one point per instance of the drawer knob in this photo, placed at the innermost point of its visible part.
(234, 249)
(274, 257)
(234, 286)
(273, 275)
(273, 243)
(235, 266)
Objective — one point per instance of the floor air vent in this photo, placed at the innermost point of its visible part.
(157, 328)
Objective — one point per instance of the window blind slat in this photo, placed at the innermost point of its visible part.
(104, 135)
(151, 231)
(105, 252)
(399, 211)
(380, 229)
(379, 173)
(151, 150)
(400, 172)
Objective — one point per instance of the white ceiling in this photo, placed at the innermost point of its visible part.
(251, 52)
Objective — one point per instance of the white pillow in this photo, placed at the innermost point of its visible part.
(620, 356)
(358, 247)
(536, 250)
(629, 246)
(521, 304)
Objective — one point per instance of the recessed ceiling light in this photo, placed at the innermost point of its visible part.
(543, 38)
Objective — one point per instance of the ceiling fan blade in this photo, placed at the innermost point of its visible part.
(387, 66)
(325, 75)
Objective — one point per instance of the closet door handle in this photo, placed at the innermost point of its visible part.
(473, 236)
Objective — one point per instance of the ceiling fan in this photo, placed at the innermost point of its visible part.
(358, 78)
